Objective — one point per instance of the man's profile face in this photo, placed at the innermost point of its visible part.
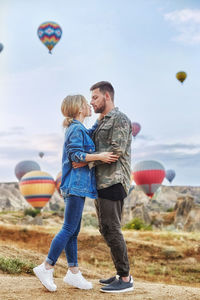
(98, 101)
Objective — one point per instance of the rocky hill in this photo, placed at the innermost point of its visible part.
(170, 205)
(12, 200)
(164, 199)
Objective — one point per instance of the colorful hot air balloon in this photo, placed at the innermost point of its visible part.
(41, 154)
(181, 76)
(148, 175)
(58, 181)
(37, 187)
(136, 127)
(170, 174)
(1, 47)
(24, 167)
(49, 33)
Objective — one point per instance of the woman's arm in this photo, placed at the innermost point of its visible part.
(75, 150)
(106, 157)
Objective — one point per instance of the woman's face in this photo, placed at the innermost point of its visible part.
(87, 111)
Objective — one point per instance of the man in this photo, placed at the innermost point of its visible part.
(114, 134)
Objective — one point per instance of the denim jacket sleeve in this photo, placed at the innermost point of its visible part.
(75, 148)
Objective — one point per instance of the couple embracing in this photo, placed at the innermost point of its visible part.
(95, 163)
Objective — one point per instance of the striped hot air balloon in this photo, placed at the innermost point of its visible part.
(37, 187)
(148, 175)
(58, 181)
(49, 33)
(24, 167)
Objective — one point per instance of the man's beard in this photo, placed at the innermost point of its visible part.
(102, 107)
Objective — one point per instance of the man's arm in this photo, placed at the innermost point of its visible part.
(120, 135)
(76, 151)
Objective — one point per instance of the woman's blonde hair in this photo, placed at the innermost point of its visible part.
(71, 107)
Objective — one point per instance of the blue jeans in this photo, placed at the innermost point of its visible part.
(67, 237)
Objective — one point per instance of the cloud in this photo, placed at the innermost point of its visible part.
(18, 130)
(144, 137)
(22, 146)
(174, 154)
(187, 24)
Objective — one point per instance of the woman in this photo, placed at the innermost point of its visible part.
(76, 184)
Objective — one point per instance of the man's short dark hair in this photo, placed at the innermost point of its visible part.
(104, 86)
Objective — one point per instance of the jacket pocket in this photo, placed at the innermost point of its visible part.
(105, 133)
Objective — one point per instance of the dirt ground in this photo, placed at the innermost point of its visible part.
(164, 265)
(25, 287)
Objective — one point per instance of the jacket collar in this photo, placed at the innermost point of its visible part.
(78, 122)
(112, 112)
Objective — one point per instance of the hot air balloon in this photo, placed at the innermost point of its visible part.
(58, 181)
(1, 47)
(37, 187)
(181, 76)
(24, 167)
(41, 154)
(170, 174)
(49, 33)
(136, 127)
(148, 175)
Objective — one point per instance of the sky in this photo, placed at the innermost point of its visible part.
(137, 45)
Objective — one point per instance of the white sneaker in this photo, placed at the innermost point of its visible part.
(45, 276)
(77, 280)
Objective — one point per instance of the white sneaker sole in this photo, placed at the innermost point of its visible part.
(76, 285)
(118, 291)
(37, 274)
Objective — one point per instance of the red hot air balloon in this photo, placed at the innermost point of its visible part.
(136, 127)
(148, 175)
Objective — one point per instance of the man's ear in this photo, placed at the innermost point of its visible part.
(107, 96)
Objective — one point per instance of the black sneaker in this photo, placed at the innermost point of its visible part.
(109, 280)
(118, 286)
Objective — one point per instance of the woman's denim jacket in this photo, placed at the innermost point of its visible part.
(78, 142)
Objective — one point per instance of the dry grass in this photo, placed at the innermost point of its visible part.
(167, 257)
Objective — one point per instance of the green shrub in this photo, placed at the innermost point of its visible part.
(89, 220)
(137, 224)
(170, 209)
(15, 266)
(31, 212)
